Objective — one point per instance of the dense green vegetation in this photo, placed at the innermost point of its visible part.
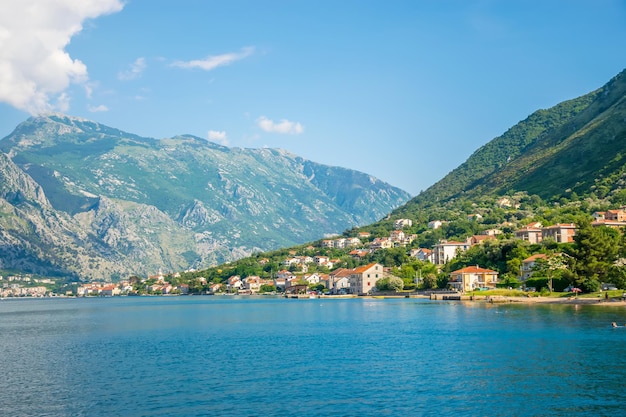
(572, 150)
(557, 166)
(585, 263)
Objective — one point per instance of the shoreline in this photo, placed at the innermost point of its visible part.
(499, 299)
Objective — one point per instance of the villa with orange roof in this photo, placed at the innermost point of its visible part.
(529, 263)
(473, 277)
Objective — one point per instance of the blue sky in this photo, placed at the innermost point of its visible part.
(402, 90)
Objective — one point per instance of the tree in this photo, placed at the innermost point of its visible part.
(509, 280)
(267, 288)
(429, 281)
(617, 276)
(391, 283)
(595, 251)
(551, 267)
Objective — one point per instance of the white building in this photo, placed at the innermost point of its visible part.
(446, 250)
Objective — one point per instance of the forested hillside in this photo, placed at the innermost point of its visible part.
(573, 147)
(559, 165)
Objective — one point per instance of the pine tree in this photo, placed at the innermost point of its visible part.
(595, 251)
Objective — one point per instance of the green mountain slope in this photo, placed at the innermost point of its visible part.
(575, 146)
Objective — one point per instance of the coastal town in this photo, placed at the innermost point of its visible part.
(316, 273)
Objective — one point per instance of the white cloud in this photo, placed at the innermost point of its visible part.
(215, 61)
(135, 70)
(219, 137)
(97, 109)
(35, 69)
(284, 126)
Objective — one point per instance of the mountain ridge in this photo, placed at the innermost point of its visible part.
(529, 156)
(183, 202)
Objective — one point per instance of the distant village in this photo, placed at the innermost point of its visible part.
(24, 286)
(361, 280)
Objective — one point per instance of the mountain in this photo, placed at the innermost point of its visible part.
(575, 148)
(130, 204)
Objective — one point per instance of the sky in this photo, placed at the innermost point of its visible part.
(402, 90)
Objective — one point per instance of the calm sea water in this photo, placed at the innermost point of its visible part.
(223, 356)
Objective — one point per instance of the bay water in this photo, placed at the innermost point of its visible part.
(262, 356)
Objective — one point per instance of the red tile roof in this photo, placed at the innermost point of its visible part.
(474, 270)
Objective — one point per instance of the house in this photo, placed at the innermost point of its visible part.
(359, 253)
(530, 234)
(560, 232)
(423, 254)
(474, 217)
(109, 290)
(396, 236)
(615, 215)
(609, 223)
(279, 283)
(408, 239)
(293, 281)
(339, 281)
(291, 261)
(528, 265)
(504, 202)
(155, 288)
(325, 280)
(476, 239)
(321, 260)
(363, 235)
(434, 224)
(491, 232)
(363, 279)
(86, 289)
(284, 274)
(381, 243)
(341, 243)
(402, 223)
(303, 260)
(473, 277)
(598, 215)
(215, 288)
(234, 283)
(252, 283)
(327, 243)
(312, 278)
(446, 250)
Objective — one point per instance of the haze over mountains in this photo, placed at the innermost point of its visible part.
(82, 199)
